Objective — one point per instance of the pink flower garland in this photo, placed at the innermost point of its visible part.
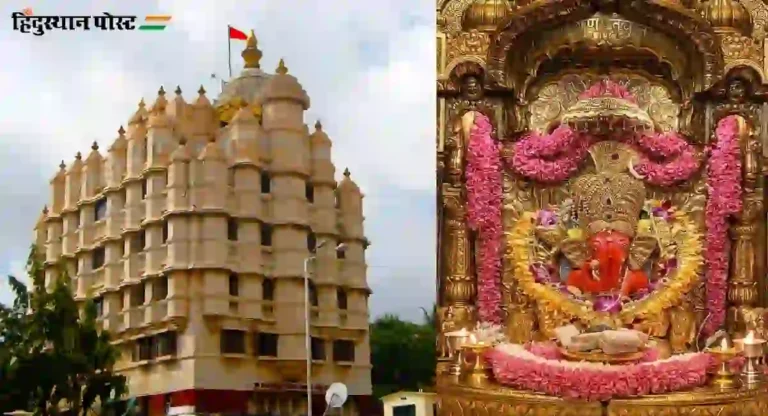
(483, 175)
(666, 159)
(608, 88)
(514, 366)
(724, 186)
(549, 158)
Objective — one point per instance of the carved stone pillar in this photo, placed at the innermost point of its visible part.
(741, 93)
(743, 288)
(458, 283)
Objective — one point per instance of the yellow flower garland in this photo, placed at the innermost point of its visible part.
(689, 258)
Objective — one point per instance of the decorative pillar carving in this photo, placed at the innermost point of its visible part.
(741, 93)
(458, 282)
(743, 286)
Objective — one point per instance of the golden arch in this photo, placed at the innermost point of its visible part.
(691, 31)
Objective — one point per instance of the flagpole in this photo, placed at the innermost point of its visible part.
(229, 51)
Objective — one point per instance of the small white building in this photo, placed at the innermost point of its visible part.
(409, 403)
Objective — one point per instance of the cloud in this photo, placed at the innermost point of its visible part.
(367, 66)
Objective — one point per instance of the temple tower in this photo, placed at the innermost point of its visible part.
(191, 233)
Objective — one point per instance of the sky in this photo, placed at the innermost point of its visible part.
(367, 66)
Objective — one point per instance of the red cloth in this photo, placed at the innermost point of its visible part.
(236, 34)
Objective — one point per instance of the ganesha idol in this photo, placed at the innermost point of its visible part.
(603, 240)
(607, 250)
(609, 245)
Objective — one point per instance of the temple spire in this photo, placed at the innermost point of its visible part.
(252, 54)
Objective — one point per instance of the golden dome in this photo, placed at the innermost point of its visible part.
(485, 15)
(727, 15)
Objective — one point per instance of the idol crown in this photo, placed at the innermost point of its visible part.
(608, 201)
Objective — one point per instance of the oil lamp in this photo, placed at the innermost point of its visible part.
(474, 369)
(753, 349)
(724, 377)
(456, 340)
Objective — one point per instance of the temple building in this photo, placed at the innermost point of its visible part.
(192, 232)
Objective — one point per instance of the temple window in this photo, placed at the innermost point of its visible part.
(100, 209)
(144, 349)
(266, 183)
(234, 285)
(266, 344)
(318, 349)
(311, 242)
(232, 341)
(268, 289)
(341, 253)
(76, 223)
(309, 192)
(313, 298)
(266, 235)
(343, 350)
(341, 299)
(160, 288)
(97, 258)
(143, 189)
(166, 344)
(232, 229)
(147, 348)
(98, 303)
(137, 295)
(165, 232)
(138, 242)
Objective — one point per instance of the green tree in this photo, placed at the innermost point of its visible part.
(402, 354)
(52, 354)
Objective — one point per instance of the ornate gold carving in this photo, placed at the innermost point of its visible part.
(551, 100)
(452, 14)
(441, 58)
(460, 401)
(521, 319)
(742, 290)
(759, 11)
(740, 50)
(455, 400)
(754, 320)
(466, 46)
(589, 36)
(485, 15)
(688, 28)
(682, 333)
(727, 16)
(458, 282)
(549, 320)
(608, 201)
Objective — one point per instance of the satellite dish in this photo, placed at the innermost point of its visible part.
(336, 395)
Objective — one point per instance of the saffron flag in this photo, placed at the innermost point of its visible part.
(236, 34)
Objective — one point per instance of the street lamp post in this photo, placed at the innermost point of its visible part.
(307, 334)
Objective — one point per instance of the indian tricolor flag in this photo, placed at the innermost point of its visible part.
(155, 22)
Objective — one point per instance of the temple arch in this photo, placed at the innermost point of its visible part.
(517, 33)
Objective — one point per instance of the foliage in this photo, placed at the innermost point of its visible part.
(402, 354)
(52, 356)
